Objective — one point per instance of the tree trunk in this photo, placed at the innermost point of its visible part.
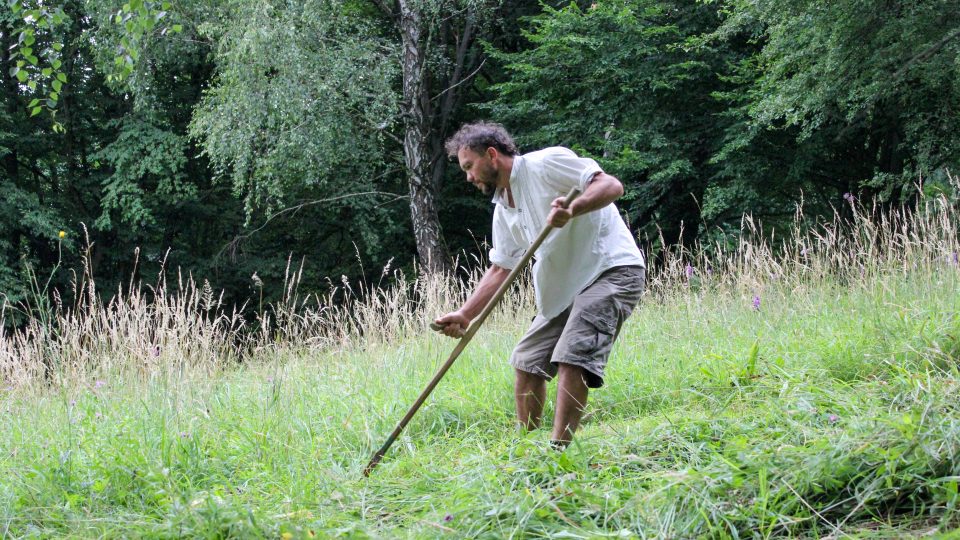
(416, 101)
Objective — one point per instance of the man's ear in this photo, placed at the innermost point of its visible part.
(492, 153)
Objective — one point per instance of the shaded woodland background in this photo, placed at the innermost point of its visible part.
(225, 138)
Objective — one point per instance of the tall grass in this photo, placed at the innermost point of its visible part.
(146, 329)
(763, 389)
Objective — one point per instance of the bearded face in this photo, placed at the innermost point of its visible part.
(479, 168)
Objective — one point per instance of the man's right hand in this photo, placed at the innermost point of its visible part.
(453, 324)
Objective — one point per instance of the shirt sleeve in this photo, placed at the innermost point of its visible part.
(506, 252)
(563, 169)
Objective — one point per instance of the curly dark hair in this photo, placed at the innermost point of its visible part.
(480, 136)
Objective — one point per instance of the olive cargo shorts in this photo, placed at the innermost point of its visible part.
(583, 334)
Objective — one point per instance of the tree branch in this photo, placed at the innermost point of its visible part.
(465, 79)
(33, 168)
(385, 7)
(234, 244)
(894, 80)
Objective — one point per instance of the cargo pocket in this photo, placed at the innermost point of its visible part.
(591, 345)
(597, 336)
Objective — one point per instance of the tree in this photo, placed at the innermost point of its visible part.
(619, 81)
(341, 81)
(299, 117)
(712, 110)
(120, 162)
(863, 94)
(438, 57)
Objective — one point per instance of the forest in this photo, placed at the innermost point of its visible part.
(228, 139)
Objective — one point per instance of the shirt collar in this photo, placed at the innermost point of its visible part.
(500, 194)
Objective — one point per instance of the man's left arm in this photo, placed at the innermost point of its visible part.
(602, 190)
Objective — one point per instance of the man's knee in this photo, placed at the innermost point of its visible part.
(571, 372)
(526, 381)
(525, 377)
(569, 369)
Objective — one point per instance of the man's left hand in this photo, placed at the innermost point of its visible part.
(559, 214)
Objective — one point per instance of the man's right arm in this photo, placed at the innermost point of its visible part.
(455, 323)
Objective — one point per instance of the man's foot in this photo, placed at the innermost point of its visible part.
(559, 446)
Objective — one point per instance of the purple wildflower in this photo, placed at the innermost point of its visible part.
(99, 384)
(756, 302)
(955, 260)
(155, 351)
(848, 197)
(709, 270)
(803, 252)
(833, 418)
(184, 434)
(97, 415)
(448, 518)
(73, 403)
(689, 270)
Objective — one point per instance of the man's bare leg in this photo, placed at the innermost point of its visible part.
(571, 400)
(531, 392)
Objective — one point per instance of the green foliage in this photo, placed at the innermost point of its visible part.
(139, 19)
(302, 95)
(711, 110)
(27, 221)
(42, 72)
(856, 96)
(144, 45)
(847, 60)
(127, 168)
(619, 81)
(298, 117)
(225, 136)
(143, 157)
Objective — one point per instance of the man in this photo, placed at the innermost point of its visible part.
(588, 275)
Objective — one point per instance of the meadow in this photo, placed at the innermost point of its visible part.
(804, 387)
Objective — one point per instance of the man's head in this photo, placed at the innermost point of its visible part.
(484, 151)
